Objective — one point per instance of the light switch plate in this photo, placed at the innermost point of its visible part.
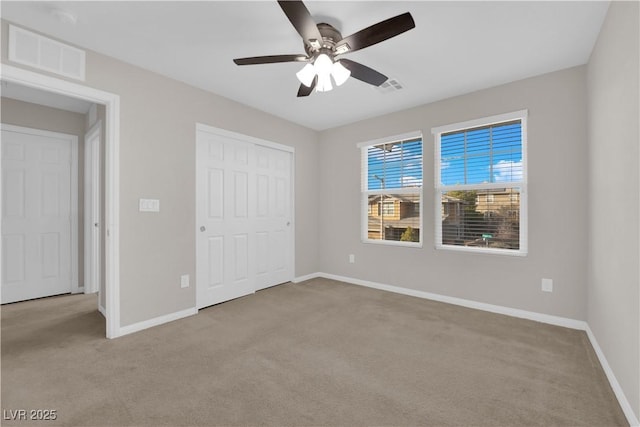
(149, 205)
(547, 285)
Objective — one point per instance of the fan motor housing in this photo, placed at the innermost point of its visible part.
(330, 36)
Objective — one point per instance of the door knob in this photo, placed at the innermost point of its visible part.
(202, 228)
(95, 225)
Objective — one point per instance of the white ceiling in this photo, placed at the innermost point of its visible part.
(457, 47)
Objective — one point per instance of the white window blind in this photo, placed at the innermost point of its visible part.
(392, 190)
(481, 185)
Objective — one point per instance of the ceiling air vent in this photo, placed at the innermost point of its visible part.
(43, 53)
(391, 85)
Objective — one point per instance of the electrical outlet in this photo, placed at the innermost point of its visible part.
(352, 259)
(547, 285)
(184, 281)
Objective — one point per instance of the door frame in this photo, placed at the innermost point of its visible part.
(73, 213)
(112, 174)
(92, 196)
(256, 141)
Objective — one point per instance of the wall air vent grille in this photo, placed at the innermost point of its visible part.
(43, 53)
(391, 85)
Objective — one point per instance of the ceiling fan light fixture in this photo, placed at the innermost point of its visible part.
(324, 83)
(323, 43)
(306, 75)
(323, 66)
(340, 73)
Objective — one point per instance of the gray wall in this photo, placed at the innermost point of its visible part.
(157, 160)
(34, 116)
(614, 189)
(557, 202)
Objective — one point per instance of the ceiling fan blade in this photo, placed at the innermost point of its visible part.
(364, 73)
(378, 32)
(301, 19)
(306, 91)
(270, 59)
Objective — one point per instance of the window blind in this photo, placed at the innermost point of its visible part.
(481, 186)
(392, 195)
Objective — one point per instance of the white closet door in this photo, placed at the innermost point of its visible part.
(273, 217)
(243, 217)
(36, 215)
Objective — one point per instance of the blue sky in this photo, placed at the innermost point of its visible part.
(492, 155)
(399, 166)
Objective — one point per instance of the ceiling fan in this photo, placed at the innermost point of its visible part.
(324, 47)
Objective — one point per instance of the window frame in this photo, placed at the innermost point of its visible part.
(437, 132)
(365, 192)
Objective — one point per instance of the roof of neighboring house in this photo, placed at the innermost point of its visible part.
(376, 199)
(411, 221)
(450, 199)
(499, 191)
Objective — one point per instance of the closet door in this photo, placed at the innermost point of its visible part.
(243, 219)
(273, 217)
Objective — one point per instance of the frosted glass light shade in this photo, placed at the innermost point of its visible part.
(306, 75)
(324, 68)
(323, 65)
(324, 83)
(340, 73)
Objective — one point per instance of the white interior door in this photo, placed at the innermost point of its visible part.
(273, 217)
(38, 203)
(92, 241)
(243, 217)
(224, 196)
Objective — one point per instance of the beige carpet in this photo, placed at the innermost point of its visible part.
(315, 353)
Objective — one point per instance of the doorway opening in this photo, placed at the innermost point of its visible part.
(103, 134)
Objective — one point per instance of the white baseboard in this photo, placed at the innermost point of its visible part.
(102, 310)
(306, 277)
(125, 330)
(514, 312)
(622, 399)
(524, 314)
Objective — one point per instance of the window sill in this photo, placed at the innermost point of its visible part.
(393, 243)
(477, 250)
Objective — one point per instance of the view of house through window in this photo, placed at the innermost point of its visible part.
(481, 185)
(392, 190)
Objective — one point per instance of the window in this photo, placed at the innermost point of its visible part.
(388, 208)
(480, 184)
(392, 190)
